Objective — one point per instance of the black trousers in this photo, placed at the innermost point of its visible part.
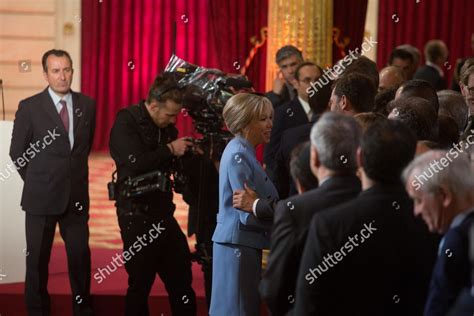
(156, 246)
(40, 231)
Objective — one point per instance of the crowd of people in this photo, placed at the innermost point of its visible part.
(365, 197)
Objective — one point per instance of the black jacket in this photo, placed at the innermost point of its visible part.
(286, 116)
(382, 258)
(279, 99)
(55, 177)
(290, 138)
(290, 227)
(431, 75)
(138, 147)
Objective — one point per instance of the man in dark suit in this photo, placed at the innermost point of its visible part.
(445, 201)
(295, 113)
(287, 58)
(294, 136)
(334, 139)
(436, 54)
(369, 256)
(51, 141)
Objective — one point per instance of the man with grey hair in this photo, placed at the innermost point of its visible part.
(441, 184)
(287, 58)
(334, 141)
(436, 54)
(369, 256)
(452, 104)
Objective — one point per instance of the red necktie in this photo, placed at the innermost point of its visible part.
(64, 115)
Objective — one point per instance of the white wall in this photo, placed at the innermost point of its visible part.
(28, 28)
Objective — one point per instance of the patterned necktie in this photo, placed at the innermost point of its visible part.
(64, 115)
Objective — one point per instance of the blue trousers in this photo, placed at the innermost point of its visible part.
(236, 273)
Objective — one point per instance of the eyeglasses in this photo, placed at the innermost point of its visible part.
(309, 80)
(470, 90)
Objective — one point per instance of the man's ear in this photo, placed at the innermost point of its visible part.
(463, 89)
(446, 196)
(313, 161)
(295, 83)
(345, 104)
(153, 105)
(315, 157)
(359, 157)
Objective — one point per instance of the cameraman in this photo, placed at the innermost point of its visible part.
(142, 140)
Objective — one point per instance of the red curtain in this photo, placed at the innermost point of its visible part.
(416, 22)
(126, 43)
(349, 19)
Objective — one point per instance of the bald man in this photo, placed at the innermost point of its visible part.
(391, 77)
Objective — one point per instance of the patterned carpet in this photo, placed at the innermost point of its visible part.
(103, 225)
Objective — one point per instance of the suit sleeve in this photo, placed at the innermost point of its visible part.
(449, 275)
(282, 172)
(277, 287)
(273, 146)
(265, 208)
(126, 146)
(309, 281)
(21, 137)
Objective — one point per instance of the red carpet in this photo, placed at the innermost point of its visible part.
(108, 298)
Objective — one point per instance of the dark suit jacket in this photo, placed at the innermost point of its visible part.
(279, 99)
(452, 271)
(369, 256)
(289, 140)
(431, 75)
(290, 227)
(286, 116)
(55, 176)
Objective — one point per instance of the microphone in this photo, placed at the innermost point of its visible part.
(3, 99)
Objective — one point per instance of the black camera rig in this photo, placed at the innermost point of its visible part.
(140, 185)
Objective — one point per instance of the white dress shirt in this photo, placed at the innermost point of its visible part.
(306, 108)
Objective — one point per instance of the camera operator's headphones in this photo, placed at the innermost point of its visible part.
(158, 93)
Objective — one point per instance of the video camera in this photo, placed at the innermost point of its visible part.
(207, 91)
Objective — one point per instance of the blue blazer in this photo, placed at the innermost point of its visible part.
(238, 166)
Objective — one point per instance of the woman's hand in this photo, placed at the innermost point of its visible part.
(244, 199)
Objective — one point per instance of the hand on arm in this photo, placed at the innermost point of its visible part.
(244, 199)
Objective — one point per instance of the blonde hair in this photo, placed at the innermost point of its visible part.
(241, 109)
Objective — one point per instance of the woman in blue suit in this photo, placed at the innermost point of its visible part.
(240, 236)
